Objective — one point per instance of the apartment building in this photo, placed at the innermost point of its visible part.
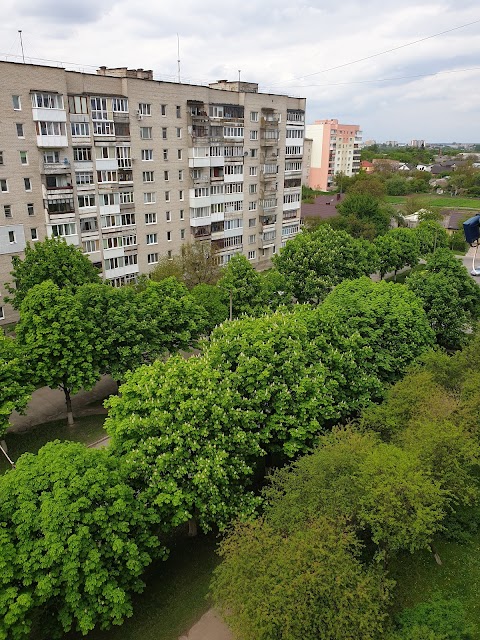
(129, 168)
(335, 149)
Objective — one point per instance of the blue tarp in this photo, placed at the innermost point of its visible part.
(471, 229)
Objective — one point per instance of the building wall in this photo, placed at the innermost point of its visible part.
(335, 149)
(242, 172)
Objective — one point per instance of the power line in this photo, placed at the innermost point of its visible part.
(421, 75)
(376, 55)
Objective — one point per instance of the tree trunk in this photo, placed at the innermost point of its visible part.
(436, 555)
(192, 527)
(68, 402)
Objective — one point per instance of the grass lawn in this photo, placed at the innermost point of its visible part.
(87, 429)
(444, 202)
(175, 596)
(419, 577)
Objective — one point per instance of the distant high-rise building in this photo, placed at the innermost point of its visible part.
(129, 169)
(417, 143)
(335, 149)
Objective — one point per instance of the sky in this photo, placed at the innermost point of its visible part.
(324, 51)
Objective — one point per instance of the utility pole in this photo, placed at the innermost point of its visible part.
(231, 304)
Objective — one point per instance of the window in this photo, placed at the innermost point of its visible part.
(252, 238)
(47, 101)
(102, 128)
(168, 216)
(254, 153)
(179, 111)
(86, 201)
(147, 176)
(152, 258)
(163, 109)
(253, 116)
(99, 108)
(23, 157)
(146, 133)
(215, 111)
(253, 171)
(182, 214)
(17, 106)
(3, 186)
(66, 229)
(169, 236)
(251, 255)
(30, 209)
(252, 206)
(167, 196)
(109, 199)
(90, 246)
(179, 132)
(145, 109)
(82, 154)
(46, 128)
(1, 157)
(107, 176)
(182, 234)
(147, 154)
(126, 197)
(164, 133)
(180, 175)
(166, 176)
(11, 237)
(233, 169)
(84, 177)
(233, 132)
(77, 104)
(104, 153)
(252, 188)
(165, 154)
(19, 127)
(181, 195)
(88, 225)
(149, 198)
(293, 151)
(150, 218)
(254, 135)
(179, 154)
(252, 222)
(80, 129)
(33, 233)
(120, 105)
(7, 210)
(234, 187)
(2, 314)
(152, 238)
(28, 184)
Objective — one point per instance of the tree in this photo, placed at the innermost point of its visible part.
(431, 236)
(314, 263)
(368, 208)
(436, 619)
(241, 284)
(57, 341)
(188, 444)
(275, 291)
(396, 185)
(368, 185)
(211, 298)
(309, 584)
(53, 259)
(389, 319)
(196, 264)
(75, 542)
(15, 385)
(397, 249)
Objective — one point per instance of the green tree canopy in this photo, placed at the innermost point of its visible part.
(310, 584)
(314, 263)
(57, 340)
(196, 264)
(431, 236)
(211, 298)
(186, 440)
(52, 259)
(396, 249)
(15, 385)
(75, 542)
(240, 281)
(368, 208)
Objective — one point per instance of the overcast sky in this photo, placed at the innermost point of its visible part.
(286, 46)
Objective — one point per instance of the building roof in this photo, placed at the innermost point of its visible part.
(453, 219)
(324, 207)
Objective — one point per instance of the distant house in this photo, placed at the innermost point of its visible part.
(323, 208)
(367, 166)
(452, 220)
(424, 167)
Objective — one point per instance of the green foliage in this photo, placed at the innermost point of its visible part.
(437, 619)
(431, 236)
(365, 183)
(196, 264)
(240, 281)
(75, 542)
(368, 208)
(388, 318)
(186, 441)
(310, 584)
(53, 259)
(396, 249)
(397, 186)
(275, 290)
(410, 155)
(314, 263)
(210, 298)
(15, 387)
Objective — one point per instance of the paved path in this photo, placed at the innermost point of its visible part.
(49, 404)
(209, 627)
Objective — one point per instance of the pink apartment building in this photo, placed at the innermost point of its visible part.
(335, 149)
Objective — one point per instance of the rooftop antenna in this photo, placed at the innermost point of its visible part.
(21, 44)
(178, 57)
(239, 72)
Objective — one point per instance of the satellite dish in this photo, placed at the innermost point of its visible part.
(246, 153)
